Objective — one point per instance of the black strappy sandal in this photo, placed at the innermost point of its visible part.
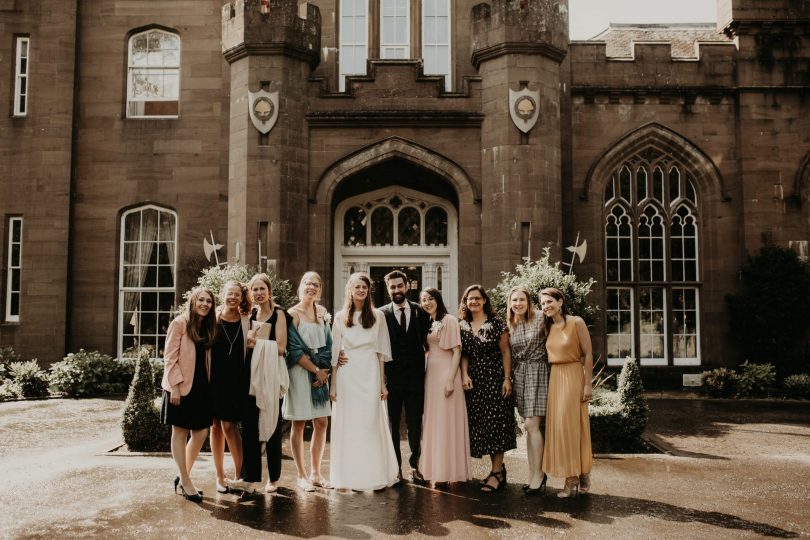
(499, 476)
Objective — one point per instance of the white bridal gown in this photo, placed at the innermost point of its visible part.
(363, 455)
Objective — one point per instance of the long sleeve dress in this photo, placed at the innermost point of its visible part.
(362, 454)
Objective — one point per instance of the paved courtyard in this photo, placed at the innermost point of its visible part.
(734, 470)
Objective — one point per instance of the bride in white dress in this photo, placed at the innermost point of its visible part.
(362, 454)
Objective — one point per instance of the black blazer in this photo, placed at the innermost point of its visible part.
(407, 348)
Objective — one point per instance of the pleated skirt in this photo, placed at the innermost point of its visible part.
(568, 430)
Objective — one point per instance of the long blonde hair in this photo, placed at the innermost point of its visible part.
(266, 279)
(511, 316)
(367, 318)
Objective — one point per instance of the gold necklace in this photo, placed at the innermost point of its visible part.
(231, 341)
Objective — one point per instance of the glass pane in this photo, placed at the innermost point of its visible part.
(691, 193)
(382, 226)
(354, 227)
(624, 184)
(409, 226)
(16, 230)
(641, 184)
(15, 280)
(14, 258)
(165, 276)
(658, 184)
(14, 303)
(609, 192)
(436, 227)
(149, 301)
(674, 184)
(139, 43)
(148, 322)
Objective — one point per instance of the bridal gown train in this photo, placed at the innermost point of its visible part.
(362, 454)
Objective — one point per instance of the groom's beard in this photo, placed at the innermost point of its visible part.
(398, 297)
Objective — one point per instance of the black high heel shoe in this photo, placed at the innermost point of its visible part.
(197, 498)
(541, 489)
(177, 482)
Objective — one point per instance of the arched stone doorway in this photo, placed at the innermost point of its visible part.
(414, 184)
(396, 215)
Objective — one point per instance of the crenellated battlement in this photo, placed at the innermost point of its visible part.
(739, 17)
(655, 66)
(519, 26)
(271, 27)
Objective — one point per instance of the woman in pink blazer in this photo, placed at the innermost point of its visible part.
(186, 389)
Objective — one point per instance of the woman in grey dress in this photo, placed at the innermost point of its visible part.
(527, 338)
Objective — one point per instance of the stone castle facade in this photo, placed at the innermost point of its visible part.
(673, 150)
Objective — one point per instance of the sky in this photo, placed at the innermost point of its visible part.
(589, 17)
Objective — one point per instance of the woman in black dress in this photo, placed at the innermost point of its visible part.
(228, 369)
(486, 367)
(265, 313)
(186, 392)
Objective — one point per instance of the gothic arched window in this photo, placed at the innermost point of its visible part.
(651, 263)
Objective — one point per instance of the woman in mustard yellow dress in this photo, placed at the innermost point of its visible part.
(567, 451)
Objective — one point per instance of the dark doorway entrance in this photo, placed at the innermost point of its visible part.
(379, 291)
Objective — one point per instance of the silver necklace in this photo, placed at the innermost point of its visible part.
(230, 341)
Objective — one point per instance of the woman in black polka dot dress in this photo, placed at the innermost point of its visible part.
(486, 365)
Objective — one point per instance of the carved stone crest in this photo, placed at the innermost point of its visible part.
(263, 109)
(524, 108)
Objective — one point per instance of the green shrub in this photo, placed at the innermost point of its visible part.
(140, 421)
(215, 277)
(719, 383)
(754, 380)
(7, 356)
(90, 373)
(131, 355)
(797, 386)
(29, 379)
(7, 390)
(539, 274)
(769, 316)
(619, 418)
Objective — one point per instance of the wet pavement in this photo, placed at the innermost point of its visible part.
(735, 470)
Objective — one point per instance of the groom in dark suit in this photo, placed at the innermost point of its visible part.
(408, 326)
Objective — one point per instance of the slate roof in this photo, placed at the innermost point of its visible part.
(619, 37)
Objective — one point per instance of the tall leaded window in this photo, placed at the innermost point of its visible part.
(395, 29)
(436, 38)
(153, 82)
(13, 269)
(353, 39)
(147, 277)
(22, 53)
(651, 263)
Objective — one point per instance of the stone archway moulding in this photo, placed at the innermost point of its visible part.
(385, 150)
(667, 141)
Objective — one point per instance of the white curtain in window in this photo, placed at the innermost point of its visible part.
(436, 38)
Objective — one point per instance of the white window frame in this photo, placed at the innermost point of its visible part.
(612, 361)
(652, 360)
(448, 79)
(11, 268)
(351, 258)
(122, 289)
(21, 75)
(404, 47)
(355, 44)
(162, 69)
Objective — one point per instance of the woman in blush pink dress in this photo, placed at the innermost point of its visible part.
(445, 434)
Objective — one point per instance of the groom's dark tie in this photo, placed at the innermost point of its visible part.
(402, 323)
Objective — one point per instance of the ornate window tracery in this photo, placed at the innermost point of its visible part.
(651, 263)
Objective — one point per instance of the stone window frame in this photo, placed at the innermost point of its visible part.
(22, 71)
(14, 268)
(416, 40)
(678, 304)
(163, 104)
(126, 315)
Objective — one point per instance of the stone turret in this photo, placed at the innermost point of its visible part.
(271, 46)
(519, 44)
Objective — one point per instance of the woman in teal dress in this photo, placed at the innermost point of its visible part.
(309, 355)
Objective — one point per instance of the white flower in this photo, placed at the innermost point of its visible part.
(327, 318)
(436, 327)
